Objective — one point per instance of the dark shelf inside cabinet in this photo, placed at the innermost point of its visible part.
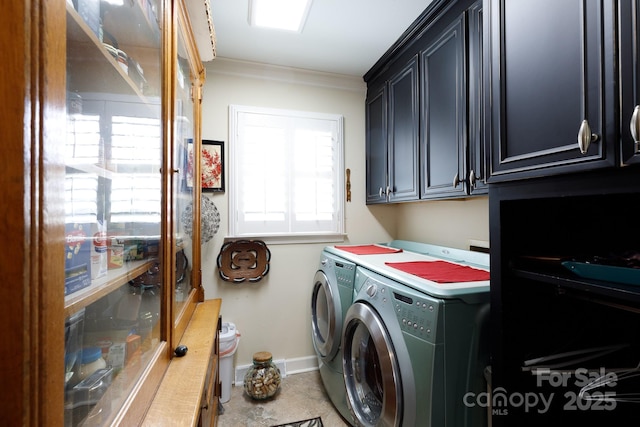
(543, 311)
(565, 282)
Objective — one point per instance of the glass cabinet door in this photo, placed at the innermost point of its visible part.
(113, 203)
(185, 193)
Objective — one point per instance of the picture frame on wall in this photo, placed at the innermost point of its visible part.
(212, 167)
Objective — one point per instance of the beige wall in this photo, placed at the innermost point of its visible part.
(274, 314)
(452, 223)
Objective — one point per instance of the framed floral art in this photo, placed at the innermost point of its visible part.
(212, 166)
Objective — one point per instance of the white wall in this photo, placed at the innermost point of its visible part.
(274, 314)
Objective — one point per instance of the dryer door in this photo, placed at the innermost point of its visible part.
(325, 308)
(371, 371)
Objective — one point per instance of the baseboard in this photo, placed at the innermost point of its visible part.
(292, 366)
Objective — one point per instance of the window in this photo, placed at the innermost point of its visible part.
(134, 193)
(286, 174)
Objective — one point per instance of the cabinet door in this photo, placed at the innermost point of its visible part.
(376, 146)
(629, 36)
(114, 189)
(403, 134)
(551, 70)
(476, 174)
(443, 115)
(185, 189)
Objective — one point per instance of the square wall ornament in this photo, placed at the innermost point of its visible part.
(212, 166)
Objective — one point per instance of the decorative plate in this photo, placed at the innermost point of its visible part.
(607, 273)
(242, 260)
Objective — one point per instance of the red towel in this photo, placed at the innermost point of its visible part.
(368, 249)
(441, 271)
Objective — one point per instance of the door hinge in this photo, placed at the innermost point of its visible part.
(196, 93)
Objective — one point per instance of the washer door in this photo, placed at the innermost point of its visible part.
(326, 317)
(371, 371)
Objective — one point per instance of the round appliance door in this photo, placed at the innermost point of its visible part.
(326, 317)
(371, 371)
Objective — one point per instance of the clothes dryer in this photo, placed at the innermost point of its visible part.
(409, 358)
(331, 297)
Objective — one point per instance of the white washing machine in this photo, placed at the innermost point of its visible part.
(331, 297)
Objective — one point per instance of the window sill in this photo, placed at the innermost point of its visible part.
(292, 238)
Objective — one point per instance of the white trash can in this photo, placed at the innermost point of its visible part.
(229, 339)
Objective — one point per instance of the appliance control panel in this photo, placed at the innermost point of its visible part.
(416, 312)
(417, 316)
(345, 273)
(344, 270)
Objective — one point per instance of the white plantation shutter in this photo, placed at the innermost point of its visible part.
(286, 174)
(134, 194)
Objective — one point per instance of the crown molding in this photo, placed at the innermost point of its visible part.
(256, 70)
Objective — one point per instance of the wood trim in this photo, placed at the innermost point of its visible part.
(197, 82)
(39, 76)
(168, 112)
(179, 397)
(14, 183)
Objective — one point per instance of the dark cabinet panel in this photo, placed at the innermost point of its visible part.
(403, 134)
(444, 113)
(376, 146)
(426, 98)
(477, 160)
(540, 308)
(629, 36)
(392, 137)
(552, 64)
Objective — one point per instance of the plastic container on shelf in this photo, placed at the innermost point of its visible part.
(229, 340)
(90, 361)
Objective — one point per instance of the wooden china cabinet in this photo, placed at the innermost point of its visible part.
(100, 213)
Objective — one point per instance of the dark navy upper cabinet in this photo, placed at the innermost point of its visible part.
(444, 117)
(552, 86)
(392, 137)
(452, 140)
(403, 134)
(376, 145)
(629, 36)
(424, 109)
(476, 178)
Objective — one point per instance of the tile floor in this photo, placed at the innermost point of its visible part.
(301, 396)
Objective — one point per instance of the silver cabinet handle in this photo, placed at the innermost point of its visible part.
(585, 137)
(472, 179)
(382, 192)
(456, 181)
(635, 125)
(389, 191)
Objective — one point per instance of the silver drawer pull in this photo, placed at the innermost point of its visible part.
(585, 137)
(635, 126)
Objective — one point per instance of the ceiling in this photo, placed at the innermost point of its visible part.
(340, 36)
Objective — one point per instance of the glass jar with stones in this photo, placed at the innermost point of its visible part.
(262, 380)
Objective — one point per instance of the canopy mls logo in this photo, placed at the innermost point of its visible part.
(597, 393)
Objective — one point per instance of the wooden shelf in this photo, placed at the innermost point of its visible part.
(180, 396)
(87, 53)
(132, 24)
(105, 285)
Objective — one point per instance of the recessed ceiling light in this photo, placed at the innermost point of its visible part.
(287, 15)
